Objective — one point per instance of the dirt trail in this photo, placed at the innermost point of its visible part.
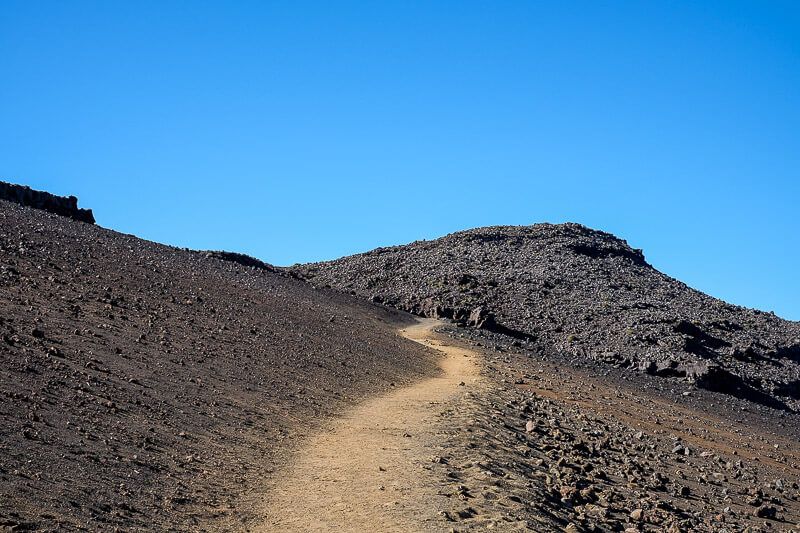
(370, 469)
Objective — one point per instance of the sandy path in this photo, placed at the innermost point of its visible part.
(369, 471)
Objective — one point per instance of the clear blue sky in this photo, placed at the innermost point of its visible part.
(298, 131)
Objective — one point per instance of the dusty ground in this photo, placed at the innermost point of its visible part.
(369, 470)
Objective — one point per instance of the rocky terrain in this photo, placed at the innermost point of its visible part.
(551, 446)
(150, 388)
(584, 293)
(144, 387)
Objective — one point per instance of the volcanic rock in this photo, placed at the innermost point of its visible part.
(66, 206)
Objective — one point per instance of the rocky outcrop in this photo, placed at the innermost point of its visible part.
(66, 206)
(241, 259)
(579, 292)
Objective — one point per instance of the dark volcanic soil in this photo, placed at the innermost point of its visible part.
(581, 292)
(148, 387)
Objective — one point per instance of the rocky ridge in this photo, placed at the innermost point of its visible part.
(66, 206)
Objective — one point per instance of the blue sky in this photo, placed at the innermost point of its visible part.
(298, 131)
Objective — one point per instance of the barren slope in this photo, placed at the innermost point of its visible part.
(148, 387)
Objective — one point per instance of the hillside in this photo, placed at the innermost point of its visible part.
(146, 387)
(583, 293)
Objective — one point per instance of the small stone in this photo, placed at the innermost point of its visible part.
(755, 501)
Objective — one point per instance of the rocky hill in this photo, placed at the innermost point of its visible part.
(145, 387)
(584, 293)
